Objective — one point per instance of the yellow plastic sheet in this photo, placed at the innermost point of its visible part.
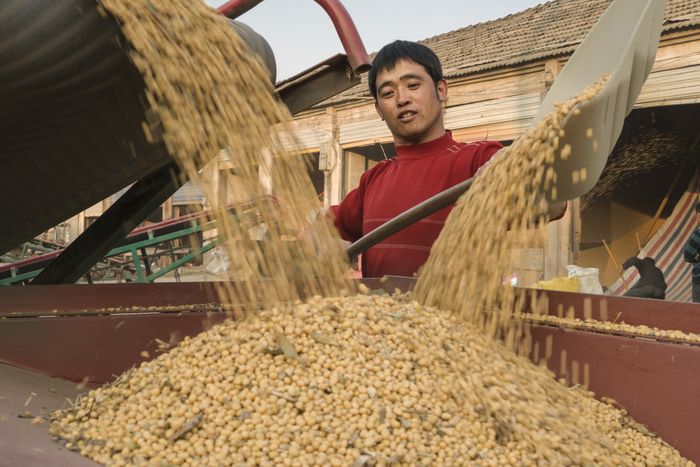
(564, 284)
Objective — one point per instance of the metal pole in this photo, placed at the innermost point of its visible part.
(406, 218)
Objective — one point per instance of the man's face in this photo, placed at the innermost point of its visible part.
(407, 99)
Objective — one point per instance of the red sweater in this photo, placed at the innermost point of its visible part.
(395, 185)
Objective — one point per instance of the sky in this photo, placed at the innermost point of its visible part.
(302, 35)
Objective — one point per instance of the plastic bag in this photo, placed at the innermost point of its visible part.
(588, 278)
(219, 262)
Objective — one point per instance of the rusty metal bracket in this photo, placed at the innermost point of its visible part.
(317, 84)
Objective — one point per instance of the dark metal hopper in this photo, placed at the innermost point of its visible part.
(71, 113)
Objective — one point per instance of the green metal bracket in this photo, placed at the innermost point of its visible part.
(133, 249)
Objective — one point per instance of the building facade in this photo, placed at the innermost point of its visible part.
(498, 72)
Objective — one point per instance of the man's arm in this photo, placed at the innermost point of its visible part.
(347, 218)
(691, 252)
(632, 261)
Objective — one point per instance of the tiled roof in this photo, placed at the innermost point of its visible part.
(547, 30)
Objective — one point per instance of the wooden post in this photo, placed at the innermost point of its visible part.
(81, 222)
(551, 71)
(575, 207)
(560, 241)
(167, 210)
(558, 248)
(106, 203)
(331, 162)
(215, 180)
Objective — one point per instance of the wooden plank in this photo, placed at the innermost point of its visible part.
(531, 238)
(671, 91)
(527, 259)
(504, 131)
(507, 109)
(558, 249)
(352, 133)
(528, 81)
(677, 55)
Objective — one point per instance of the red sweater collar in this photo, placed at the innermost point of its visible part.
(431, 148)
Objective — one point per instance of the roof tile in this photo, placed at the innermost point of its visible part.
(546, 30)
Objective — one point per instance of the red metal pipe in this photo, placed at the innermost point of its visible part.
(344, 26)
(347, 32)
(235, 8)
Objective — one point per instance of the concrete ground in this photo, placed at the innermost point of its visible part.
(23, 396)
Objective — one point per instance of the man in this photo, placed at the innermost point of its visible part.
(410, 93)
(651, 283)
(691, 254)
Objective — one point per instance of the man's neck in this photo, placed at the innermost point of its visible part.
(432, 136)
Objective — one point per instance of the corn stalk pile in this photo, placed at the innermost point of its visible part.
(649, 150)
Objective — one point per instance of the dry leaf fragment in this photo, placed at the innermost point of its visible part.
(284, 396)
(187, 427)
(361, 460)
(324, 338)
(353, 437)
(284, 343)
(372, 392)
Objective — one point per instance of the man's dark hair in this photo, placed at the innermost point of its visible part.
(412, 51)
(697, 207)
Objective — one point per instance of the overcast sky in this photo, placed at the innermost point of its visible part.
(302, 35)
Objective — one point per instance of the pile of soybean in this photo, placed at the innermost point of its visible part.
(357, 380)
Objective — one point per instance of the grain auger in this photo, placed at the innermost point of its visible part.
(73, 105)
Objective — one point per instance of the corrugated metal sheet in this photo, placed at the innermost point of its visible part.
(307, 138)
(365, 130)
